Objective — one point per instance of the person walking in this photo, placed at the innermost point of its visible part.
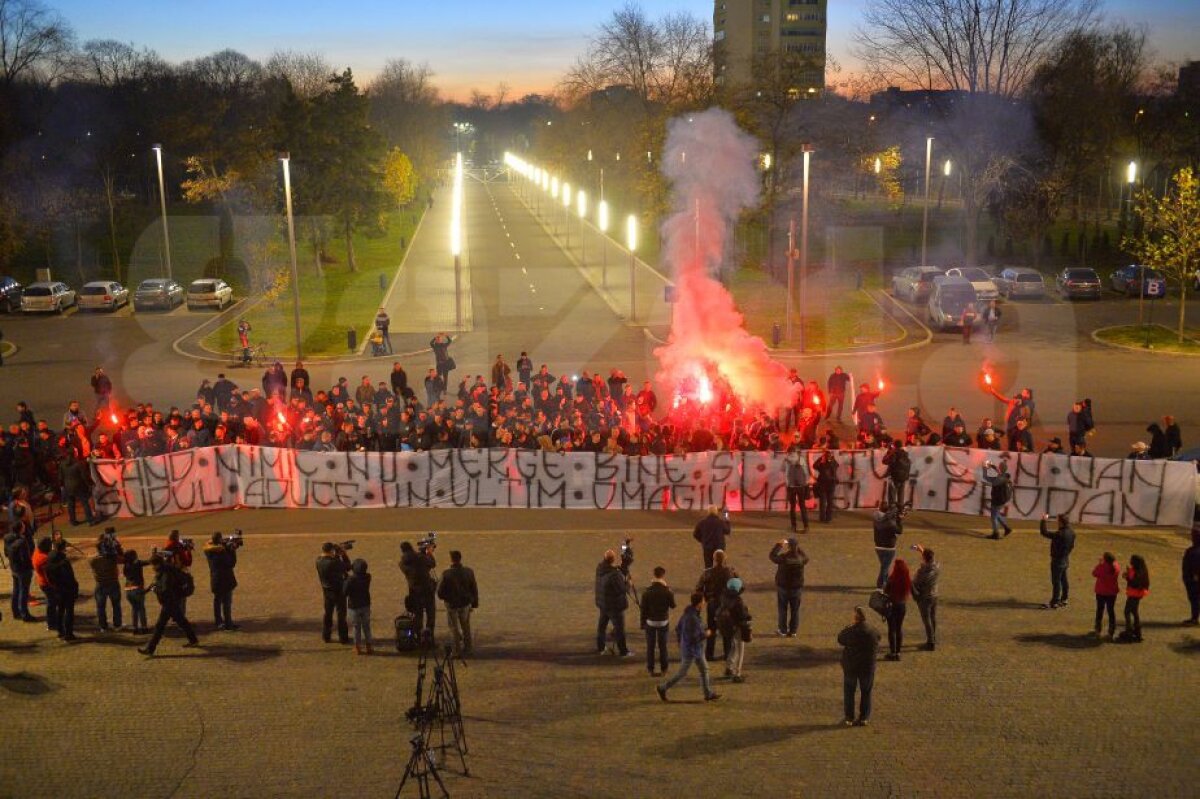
(733, 620)
(711, 532)
(789, 560)
(898, 589)
(170, 587)
(712, 584)
(382, 323)
(1191, 576)
(827, 468)
(357, 588)
(859, 642)
(460, 592)
(887, 526)
(1107, 573)
(996, 476)
(991, 319)
(658, 600)
(691, 634)
(133, 570)
(968, 322)
(798, 479)
(1062, 541)
(925, 592)
(612, 599)
(1137, 586)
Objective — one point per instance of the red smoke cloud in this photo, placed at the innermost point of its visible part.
(711, 165)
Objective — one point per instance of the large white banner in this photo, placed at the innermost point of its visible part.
(1089, 490)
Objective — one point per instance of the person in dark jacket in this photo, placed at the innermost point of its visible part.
(1137, 586)
(66, 587)
(712, 583)
(1062, 541)
(1173, 435)
(417, 566)
(105, 570)
(860, 642)
(710, 532)
(798, 480)
(1191, 576)
(612, 599)
(826, 468)
(332, 565)
(887, 526)
(222, 560)
(899, 468)
(789, 560)
(925, 592)
(733, 620)
(898, 589)
(461, 595)
(658, 600)
(1159, 448)
(357, 588)
(135, 589)
(77, 487)
(691, 634)
(996, 476)
(18, 548)
(168, 586)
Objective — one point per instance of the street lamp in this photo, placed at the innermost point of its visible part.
(581, 206)
(602, 222)
(631, 241)
(925, 208)
(566, 198)
(162, 197)
(804, 245)
(456, 236)
(285, 159)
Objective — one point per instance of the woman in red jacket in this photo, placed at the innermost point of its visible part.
(1106, 573)
(898, 589)
(1137, 585)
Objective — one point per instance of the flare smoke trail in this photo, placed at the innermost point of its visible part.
(711, 165)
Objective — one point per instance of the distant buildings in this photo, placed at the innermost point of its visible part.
(745, 30)
(1188, 87)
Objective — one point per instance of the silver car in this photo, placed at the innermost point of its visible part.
(209, 292)
(102, 295)
(158, 292)
(1021, 283)
(51, 297)
(915, 282)
(981, 281)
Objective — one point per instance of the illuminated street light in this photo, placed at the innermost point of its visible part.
(878, 165)
(1131, 172)
(456, 236)
(285, 158)
(566, 198)
(602, 223)
(581, 205)
(946, 169)
(631, 241)
(162, 196)
(925, 209)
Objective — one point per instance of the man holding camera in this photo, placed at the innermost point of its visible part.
(171, 587)
(461, 595)
(221, 554)
(612, 598)
(1062, 541)
(417, 565)
(108, 581)
(997, 477)
(789, 560)
(332, 566)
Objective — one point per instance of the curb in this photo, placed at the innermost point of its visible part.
(1131, 348)
(242, 305)
(868, 349)
(8, 349)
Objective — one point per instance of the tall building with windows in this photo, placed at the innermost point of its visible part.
(744, 30)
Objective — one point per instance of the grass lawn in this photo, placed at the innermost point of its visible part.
(838, 315)
(1161, 338)
(331, 303)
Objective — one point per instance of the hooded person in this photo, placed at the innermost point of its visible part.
(733, 622)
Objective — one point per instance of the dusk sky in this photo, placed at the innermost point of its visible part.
(469, 43)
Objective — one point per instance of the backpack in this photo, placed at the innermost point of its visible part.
(187, 584)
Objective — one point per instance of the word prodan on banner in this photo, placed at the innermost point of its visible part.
(1089, 490)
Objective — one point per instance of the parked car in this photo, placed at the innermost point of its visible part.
(1125, 280)
(915, 282)
(1078, 282)
(981, 281)
(1021, 283)
(158, 292)
(52, 296)
(209, 293)
(10, 294)
(950, 296)
(102, 295)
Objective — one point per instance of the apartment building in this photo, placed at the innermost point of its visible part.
(744, 30)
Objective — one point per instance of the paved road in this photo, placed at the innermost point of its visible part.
(1016, 702)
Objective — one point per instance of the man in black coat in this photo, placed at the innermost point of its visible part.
(710, 532)
(332, 566)
(66, 587)
(460, 592)
(169, 587)
(1174, 435)
(1062, 541)
(996, 476)
(789, 560)
(658, 600)
(826, 468)
(417, 566)
(18, 548)
(860, 642)
(222, 560)
(612, 599)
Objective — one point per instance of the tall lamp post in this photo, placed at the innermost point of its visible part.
(566, 201)
(162, 198)
(925, 208)
(456, 237)
(285, 159)
(804, 245)
(581, 205)
(602, 221)
(631, 241)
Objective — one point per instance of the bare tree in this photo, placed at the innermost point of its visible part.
(35, 42)
(406, 108)
(109, 62)
(228, 71)
(308, 73)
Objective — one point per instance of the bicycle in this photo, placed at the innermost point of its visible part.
(259, 355)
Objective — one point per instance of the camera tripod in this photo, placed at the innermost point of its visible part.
(436, 714)
(421, 767)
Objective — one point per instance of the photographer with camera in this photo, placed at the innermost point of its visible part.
(789, 560)
(105, 568)
(612, 598)
(179, 551)
(417, 565)
(332, 565)
(887, 526)
(221, 554)
(1062, 542)
(998, 478)
(461, 595)
(62, 577)
(171, 586)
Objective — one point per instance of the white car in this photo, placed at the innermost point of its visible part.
(985, 288)
(209, 293)
(103, 295)
(41, 297)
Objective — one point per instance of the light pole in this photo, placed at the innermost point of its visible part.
(925, 208)
(791, 278)
(581, 205)
(602, 221)
(631, 240)
(162, 198)
(285, 159)
(804, 246)
(566, 198)
(456, 237)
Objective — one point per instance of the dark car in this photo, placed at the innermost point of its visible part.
(158, 292)
(1125, 281)
(10, 295)
(1078, 282)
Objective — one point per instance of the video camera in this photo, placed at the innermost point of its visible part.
(428, 542)
(234, 540)
(345, 546)
(107, 546)
(626, 555)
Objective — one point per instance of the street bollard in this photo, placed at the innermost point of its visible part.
(382, 283)
(352, 339)
(776, 335)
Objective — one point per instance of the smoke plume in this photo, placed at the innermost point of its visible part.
(711, 165)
